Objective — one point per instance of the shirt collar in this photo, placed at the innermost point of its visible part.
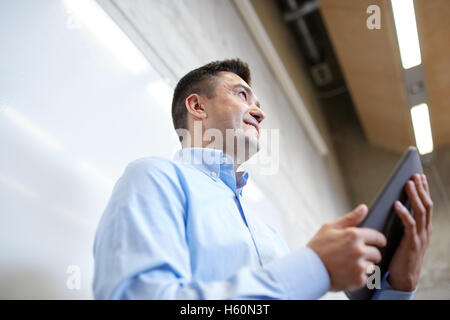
(214, 163)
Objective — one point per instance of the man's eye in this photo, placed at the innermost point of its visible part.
(243, 95)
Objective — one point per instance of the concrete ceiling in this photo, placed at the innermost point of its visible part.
(434, 34)
(370, 62)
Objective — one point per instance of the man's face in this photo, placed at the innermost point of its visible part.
(234, 106)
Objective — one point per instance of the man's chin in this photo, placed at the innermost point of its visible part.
(253, 143)
(246, 146)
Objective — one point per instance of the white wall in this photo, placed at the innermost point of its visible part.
(183, 35)
(72, 116)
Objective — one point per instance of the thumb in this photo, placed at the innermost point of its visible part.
(353, 218)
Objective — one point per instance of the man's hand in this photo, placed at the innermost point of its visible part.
(404, 270)
(348, 251)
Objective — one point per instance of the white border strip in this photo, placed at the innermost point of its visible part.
(259, 34)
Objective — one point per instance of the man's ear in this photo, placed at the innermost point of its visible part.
(195, 106)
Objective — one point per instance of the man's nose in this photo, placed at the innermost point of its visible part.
(257, 113)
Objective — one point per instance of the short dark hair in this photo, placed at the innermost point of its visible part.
(203, 81)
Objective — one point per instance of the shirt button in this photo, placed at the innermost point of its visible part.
(224, 159)
(214, 174)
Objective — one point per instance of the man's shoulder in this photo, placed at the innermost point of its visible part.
(151, 162)
(150, 175)
(153, 165)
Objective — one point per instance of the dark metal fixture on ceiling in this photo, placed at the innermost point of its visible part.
(304, 19)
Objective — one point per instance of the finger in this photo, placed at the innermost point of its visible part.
(425, 183)
(372, 236)
(408, 221)
(429, 214)
(372, 254)
(371, 268)
(426, 201)
(423, 194)
(352, 218)
(363, 275)
(417, 206)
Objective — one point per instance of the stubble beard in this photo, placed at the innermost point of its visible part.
(241, 145)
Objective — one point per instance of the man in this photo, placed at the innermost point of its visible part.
(180, 229)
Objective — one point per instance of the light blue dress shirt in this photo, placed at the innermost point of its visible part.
(181, 230)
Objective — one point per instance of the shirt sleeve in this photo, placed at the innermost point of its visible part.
(301, 275)
(141, 249)
(387, 293)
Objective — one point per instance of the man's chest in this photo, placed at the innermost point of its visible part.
(223, 235)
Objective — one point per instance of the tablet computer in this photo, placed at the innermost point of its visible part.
(382, 215)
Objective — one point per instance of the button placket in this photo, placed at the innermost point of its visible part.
(250, 226)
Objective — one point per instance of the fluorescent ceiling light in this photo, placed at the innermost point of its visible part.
(107, 32)
(407, 36)
(422, 128)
